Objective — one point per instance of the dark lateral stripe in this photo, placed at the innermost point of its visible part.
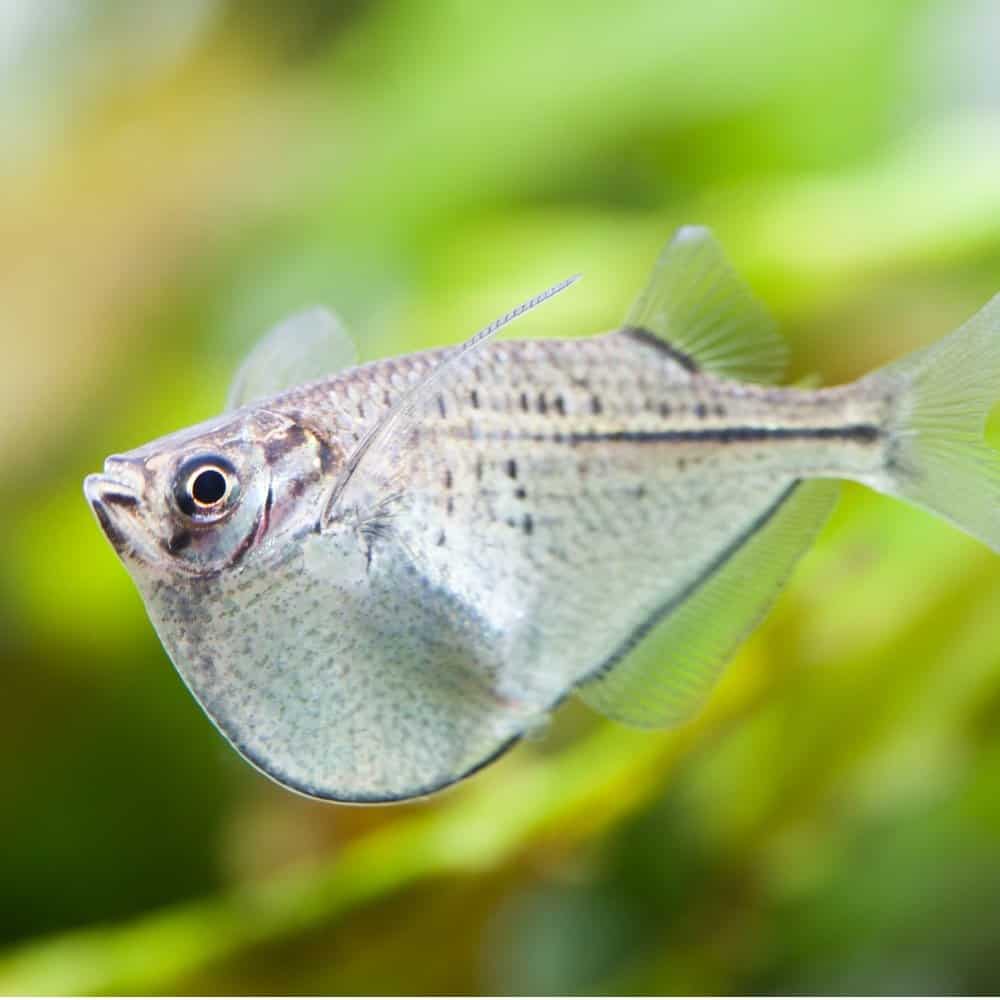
(859, 433)
(671, 605)
(732, 435)
(650, 339)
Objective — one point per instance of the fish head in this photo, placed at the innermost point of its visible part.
(220, 497)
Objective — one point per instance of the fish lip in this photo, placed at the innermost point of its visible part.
(102, 488)
(121, 483)
(111, 500)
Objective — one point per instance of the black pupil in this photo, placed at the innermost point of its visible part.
(208, 487)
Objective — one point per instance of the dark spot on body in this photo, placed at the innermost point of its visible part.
(596, 406)
(324, 453)
(275, 448)
(441, 407)
(543, 404)
(701, 410)
(448, 482)
(720, 410)
(474, 399)
(512, 468)
(177, 542)
(525, 405)
(664, 409)
(450, 505)
(528, 524)
(520, 493)
(479, 469)
(440, 539)
(560, 406)
(650, 339)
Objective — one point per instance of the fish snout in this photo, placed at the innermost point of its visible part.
(113, 495)
(101, 489)
(120, 484)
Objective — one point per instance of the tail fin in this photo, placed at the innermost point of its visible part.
(942, 396)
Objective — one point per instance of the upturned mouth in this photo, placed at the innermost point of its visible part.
(112, 499)
(106, 498)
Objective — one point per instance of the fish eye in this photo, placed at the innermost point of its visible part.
(206, 486)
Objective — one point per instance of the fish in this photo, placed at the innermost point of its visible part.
(376, 578)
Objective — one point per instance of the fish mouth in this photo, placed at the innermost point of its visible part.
(114, 500)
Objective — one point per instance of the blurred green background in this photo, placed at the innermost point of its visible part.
(176, 177)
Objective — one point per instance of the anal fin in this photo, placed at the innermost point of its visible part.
(664, 678)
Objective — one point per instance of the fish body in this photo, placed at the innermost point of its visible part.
(376, 582)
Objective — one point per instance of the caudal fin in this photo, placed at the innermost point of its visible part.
(942, 395)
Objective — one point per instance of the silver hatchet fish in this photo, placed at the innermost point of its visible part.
(376, 578)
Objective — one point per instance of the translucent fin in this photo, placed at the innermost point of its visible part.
(375, 451)
(941, 396)
(703, 314)
(307, 346)
(665, 679)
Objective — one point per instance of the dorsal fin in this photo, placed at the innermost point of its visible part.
(377, 446)
(304, 347)
(697, 309)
